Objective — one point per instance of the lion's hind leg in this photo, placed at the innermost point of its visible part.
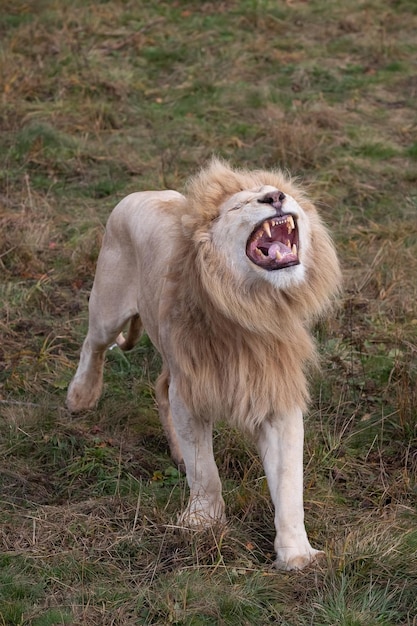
(134, 331)
(85, 388)
(162, 399)
(112, 305)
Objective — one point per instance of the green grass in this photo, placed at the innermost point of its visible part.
(102, 99)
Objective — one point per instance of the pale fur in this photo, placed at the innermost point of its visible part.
(234, 338)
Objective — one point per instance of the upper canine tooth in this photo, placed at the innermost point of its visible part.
(294, 249)
(267, 228)
(290, 223)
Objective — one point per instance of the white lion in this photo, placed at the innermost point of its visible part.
(225, 280)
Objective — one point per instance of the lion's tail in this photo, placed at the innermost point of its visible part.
(133, 334)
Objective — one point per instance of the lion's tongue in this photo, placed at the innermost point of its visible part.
(280, 247)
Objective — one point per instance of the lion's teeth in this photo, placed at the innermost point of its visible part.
(278, 255)
(288, 243)
(259, 252)
(294, 249)
(267, 228)
(290, 224)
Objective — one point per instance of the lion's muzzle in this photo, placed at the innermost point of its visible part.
(274, 243)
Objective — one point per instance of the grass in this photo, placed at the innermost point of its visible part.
(102, 99)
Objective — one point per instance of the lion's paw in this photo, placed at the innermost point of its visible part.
(300, 561)
(201, 513)
(81, 398)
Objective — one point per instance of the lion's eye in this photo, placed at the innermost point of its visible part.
(238, 206)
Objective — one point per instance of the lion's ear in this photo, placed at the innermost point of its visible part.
(192, 231)
(202, 236)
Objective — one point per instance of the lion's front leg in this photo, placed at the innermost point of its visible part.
(195, 437)
(280, 445)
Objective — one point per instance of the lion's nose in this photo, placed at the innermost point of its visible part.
(276, 198)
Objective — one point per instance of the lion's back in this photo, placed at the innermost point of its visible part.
(145, 213)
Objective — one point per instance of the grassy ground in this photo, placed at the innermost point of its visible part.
(100, 99)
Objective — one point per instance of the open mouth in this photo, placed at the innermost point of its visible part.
(273, 244)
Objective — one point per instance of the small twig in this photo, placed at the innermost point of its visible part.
(371, 269)
(8, 251)
(27, 182)
(18, 403)
(135, 521)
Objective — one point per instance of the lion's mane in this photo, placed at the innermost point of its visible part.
(243, 346)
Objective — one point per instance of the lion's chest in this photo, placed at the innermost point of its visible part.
(240, 381)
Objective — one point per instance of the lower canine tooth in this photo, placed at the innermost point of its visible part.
(294, 249)
(278, 255)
